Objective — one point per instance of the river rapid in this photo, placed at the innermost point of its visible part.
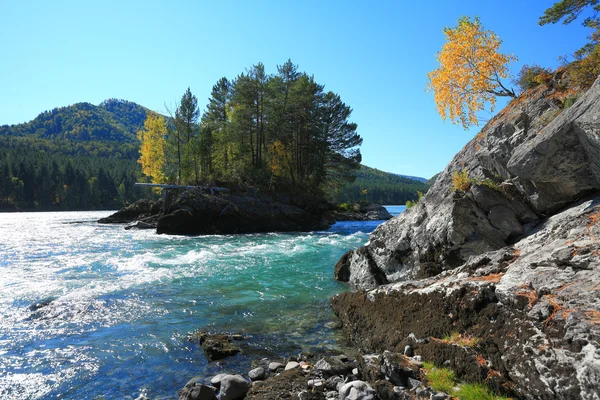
(97, 312)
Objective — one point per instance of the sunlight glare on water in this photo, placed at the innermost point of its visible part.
(115, 307)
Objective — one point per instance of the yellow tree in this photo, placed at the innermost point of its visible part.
(470, 72)
(152, 147)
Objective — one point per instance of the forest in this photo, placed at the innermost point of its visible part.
(80, 157)
(375, 186)
(279, 132)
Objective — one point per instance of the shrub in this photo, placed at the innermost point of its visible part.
(344, 207)
(411, 203)
(490, 183)
(569, 101)
(531, 76)
(585, 69)
(461, 181)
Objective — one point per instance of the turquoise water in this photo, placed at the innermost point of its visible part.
(122, 303)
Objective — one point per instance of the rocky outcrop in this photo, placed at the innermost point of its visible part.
(217, 345)
(369, 212)
(522, 167)
(141, 210)
(497, 277)
(197, 212)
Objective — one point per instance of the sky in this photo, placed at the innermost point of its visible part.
(374, 54)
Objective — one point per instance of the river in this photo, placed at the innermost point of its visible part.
(94, 311)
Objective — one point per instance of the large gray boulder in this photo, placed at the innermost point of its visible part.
(523, 166)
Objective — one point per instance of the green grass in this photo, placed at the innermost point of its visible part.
(476, 391)
(444, 380)
(440, 379)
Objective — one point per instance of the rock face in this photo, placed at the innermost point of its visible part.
(522, 169)
(512, 261)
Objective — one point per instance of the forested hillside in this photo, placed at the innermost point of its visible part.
(381, 187)
(78, 157)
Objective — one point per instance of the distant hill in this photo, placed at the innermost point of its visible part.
(79, 157)
(381, 187)
(414, 178)
(113, 120)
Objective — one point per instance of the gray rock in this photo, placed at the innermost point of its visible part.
(257, 374)
(334, 383)
(332, 394)
(216, 380)
(439, 396)
(413, 383)
(408, 351)
(357, 390)
(329, 366)
(140, 225)
(194, 390)
(291, 365)
(274, 366)
(317, 384)
(233, 387)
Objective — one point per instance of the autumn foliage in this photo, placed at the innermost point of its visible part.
(152, 148)
(470, 72)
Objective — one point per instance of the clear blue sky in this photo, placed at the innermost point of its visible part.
(375, 54)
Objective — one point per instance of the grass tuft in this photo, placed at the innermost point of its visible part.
(440, 379)
(475, 391)
(461, 340)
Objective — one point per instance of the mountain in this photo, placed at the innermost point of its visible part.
(381, 187)
(113, 120)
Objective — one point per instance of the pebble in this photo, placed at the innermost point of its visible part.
(291, 365)
(274, 366)
(257, 374)
(317, 384)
